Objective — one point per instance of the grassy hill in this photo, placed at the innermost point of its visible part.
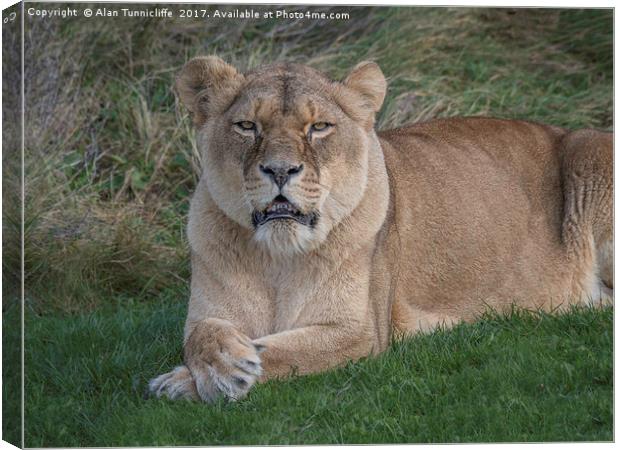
(524, 378)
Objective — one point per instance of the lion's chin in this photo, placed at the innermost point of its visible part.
(285, 237)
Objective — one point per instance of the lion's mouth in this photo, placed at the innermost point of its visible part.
(282, 209)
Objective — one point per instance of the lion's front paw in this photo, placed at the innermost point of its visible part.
(176, 384)
(222, 360)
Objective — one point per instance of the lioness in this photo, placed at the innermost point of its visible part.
(315, 239)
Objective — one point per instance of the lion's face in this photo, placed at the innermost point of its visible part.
(285, 148)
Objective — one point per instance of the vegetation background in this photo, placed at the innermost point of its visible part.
(110, 163)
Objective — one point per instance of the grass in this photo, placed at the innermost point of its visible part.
(110, 162)
(526, 377)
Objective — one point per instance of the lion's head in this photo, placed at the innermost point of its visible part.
(285, 148)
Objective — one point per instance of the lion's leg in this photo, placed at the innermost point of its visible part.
(587, 164)
(312, 349)
(605, 265)
(605, 258)
(408, 320)
(218, 355)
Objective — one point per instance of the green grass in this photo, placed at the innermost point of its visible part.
(111, 162)
(526, 377)
(11, 374)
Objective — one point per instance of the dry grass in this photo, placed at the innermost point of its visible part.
(110, 157)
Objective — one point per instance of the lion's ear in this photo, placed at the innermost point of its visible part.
(205, 84)
(367, 79)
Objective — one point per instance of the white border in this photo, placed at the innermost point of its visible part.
(466, 3)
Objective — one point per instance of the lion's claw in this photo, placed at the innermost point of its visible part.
(176, 384)
(220, 361)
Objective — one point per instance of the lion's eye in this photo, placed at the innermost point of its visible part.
(246, 125)
(320, 126)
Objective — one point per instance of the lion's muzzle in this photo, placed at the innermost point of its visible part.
(282, 209)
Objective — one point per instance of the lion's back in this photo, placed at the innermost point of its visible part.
(476, 163)
(478, 207)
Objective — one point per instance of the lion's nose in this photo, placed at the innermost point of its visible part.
(280, 172)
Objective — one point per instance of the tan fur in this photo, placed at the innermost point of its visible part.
(417, 227)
